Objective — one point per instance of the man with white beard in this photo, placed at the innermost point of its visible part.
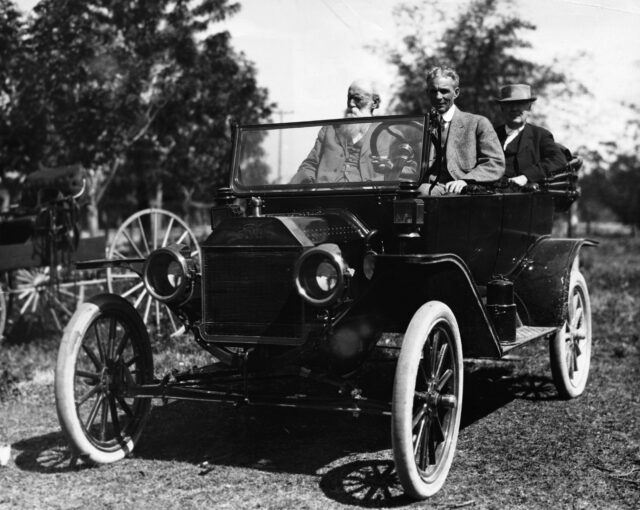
(341, 152)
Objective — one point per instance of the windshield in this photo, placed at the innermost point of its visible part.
(333, 154)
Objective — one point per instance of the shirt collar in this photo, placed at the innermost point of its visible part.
(448, 115)
(508, 130)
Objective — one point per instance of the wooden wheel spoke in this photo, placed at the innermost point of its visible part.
(142, 236)
(418, 416)
(87, 395)
(182, 237)
(125, 407)
(94, 412)
(104, 419)
(147, 308)
(133, 289)
(577, 317)
(115, 421)
(112, 337)
(139, 299)
(133, 360)
(424, 444)
(418, 439)
(157, 310)
(442, 353)
(101, 352)
(165, 239)
(132, 243)
(156, 218)
(444, 379)
(433, 352)
(121, 345)
(92, 376)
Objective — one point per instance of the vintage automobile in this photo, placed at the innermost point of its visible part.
(309, 266)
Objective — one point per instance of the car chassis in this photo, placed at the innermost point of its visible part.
(308, 281)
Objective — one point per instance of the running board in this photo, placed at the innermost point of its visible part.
(525, 334)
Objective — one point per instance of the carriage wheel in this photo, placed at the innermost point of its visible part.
(570, 349)
(138, 236)
(427, 400)
(104, 349)
(35, 296)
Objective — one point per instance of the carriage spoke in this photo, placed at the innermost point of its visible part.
(146, 309)
(182, 237)
(157, 310)
(132, 243)
(133, 360)
(167, 233)
(142, 236)
(139, 299)
(155, 216)
(418, 416)
(133, 289)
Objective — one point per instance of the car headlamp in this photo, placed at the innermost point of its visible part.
(168, 273)
(320, 274)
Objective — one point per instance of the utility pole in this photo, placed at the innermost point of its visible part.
(281, 114)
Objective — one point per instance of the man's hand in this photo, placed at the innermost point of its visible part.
(381, 164)
(520, 180)
(455, 186)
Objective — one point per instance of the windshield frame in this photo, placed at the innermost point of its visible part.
(323, 188)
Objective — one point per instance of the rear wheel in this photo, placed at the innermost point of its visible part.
(427, 400)
(570, 349)
(105, 348)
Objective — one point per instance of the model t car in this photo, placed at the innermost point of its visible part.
(301, 278)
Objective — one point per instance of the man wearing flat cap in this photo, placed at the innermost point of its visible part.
(530, 151)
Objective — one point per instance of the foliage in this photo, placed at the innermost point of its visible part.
(614, 182)
(141, 93)
(481, 41)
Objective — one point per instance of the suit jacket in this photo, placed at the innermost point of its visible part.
(473, 150)
(326, 161)
(533, 153)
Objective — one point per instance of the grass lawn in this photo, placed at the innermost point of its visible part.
(519, 447)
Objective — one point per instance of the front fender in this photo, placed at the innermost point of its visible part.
(542, 282)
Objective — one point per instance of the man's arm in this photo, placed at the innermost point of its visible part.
(551, 158)
(490, 156)
(308, 169)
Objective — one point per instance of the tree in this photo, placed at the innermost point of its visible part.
(481, 41)
(141, 92)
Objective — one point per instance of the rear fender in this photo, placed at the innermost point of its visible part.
(542, 282)
(403, 283)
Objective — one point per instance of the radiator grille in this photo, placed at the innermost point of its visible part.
(250, 292)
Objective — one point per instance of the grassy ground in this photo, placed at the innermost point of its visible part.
(520, 447)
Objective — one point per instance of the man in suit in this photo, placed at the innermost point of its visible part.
(530, 151)
(341, 152)
(470, 150)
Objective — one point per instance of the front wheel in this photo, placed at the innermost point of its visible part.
(427, 400)
(570, 349)
(105, 348)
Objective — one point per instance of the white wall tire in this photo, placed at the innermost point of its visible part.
(570, 348)
(104, 344)
(427, 400)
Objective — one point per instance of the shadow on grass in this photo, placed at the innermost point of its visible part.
(351, 455)
(47, 454)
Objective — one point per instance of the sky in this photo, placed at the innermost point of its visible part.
(308, 51)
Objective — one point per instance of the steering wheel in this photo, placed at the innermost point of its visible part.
(404, 144)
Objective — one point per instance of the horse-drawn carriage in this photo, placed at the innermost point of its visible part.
(302, 282)
(40, 241)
